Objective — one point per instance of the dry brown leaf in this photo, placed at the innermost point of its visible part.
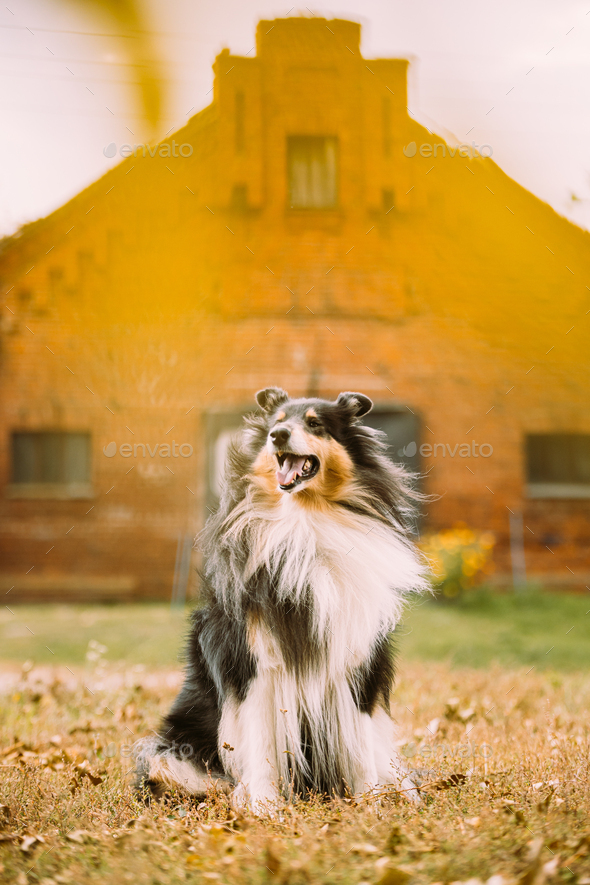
(453, 780)
(8, 837)
(391, 875)
(364, 848)
(29, 842)
(451, 708)
(83, 770)
(81, 837)
(5, 751)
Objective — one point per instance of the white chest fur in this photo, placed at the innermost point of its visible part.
(354, 572)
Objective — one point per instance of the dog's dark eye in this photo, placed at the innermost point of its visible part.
(313, 423)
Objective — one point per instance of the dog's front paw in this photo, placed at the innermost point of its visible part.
(409, 788)
(262, 803)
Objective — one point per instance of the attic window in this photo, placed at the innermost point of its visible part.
(558, 465)
(312, 171)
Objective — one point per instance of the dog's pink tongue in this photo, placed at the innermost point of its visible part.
(291, 467)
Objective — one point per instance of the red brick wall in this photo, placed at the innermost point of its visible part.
(148, 300)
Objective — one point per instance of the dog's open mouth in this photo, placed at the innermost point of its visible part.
(295, 469)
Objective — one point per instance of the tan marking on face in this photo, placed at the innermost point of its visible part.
(311, 413)
(281, 416)
(335, 478)
(333, 482)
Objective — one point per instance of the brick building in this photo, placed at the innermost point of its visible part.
(285, 237)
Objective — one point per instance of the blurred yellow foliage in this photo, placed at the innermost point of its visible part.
(458, 558)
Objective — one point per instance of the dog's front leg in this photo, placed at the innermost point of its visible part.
(389, 767)
(248, 747)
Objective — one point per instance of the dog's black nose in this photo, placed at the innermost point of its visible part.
(280, 436)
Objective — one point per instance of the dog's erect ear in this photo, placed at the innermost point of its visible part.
(271, 398)
(357, 403)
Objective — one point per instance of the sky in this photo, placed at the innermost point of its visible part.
(514, 74)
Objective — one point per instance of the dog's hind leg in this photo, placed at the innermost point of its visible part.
(160, 767)
(184, 754)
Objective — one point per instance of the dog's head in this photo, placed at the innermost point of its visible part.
(308, 444)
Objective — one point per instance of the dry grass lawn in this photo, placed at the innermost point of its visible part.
(505, 756)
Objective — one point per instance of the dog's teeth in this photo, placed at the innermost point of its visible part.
(307, 465)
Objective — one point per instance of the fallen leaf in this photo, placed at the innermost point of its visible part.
(16, 746)
(364, 848)
(550, 868)
(433, 726)
(451, 708)
(8, 837)
(544, 804)
(496, 880)
(392, 876)
(453, 780)
(81, 837)
(29, 842)
(83, 770)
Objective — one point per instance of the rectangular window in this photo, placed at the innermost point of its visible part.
(240, 121)
(402, 430)
(220, 428)
(403, 435)
(50, 459)
(312, 171)
(386, 108)
(558, 465)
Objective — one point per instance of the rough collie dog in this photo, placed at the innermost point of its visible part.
(290, 662)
